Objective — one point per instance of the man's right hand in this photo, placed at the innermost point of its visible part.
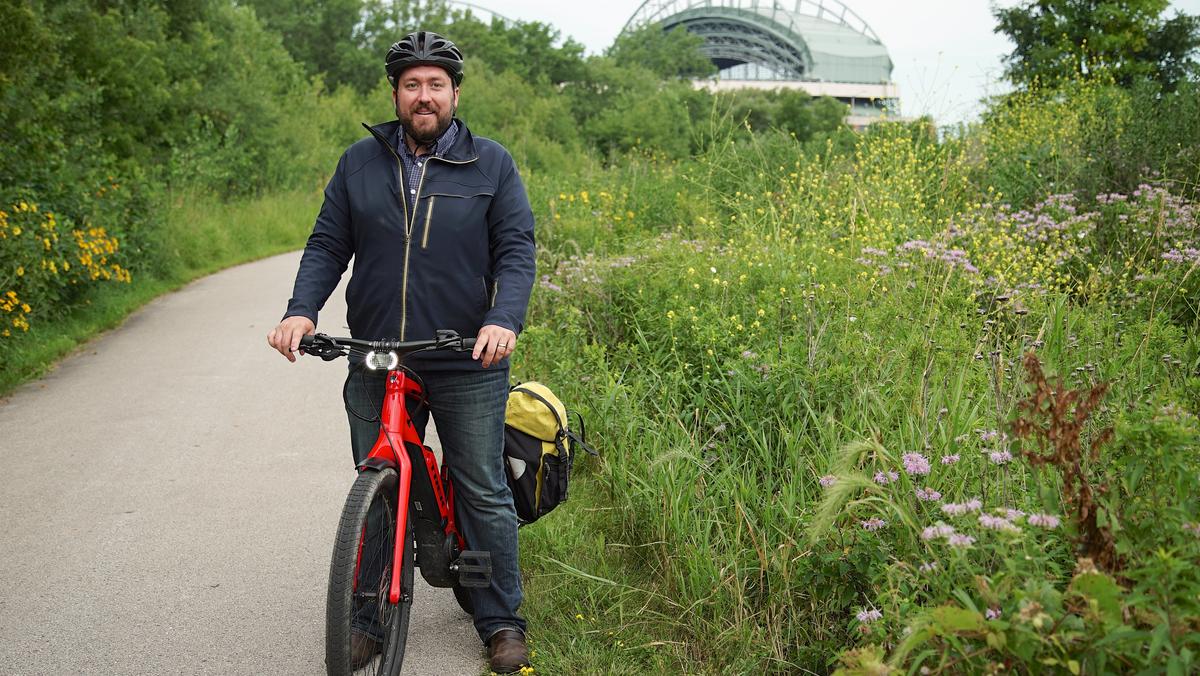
(286, 337)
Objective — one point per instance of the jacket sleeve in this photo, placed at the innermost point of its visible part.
(328, 252)
(510, 227)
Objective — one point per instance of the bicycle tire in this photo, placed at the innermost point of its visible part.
(348, 594)
(463, 596)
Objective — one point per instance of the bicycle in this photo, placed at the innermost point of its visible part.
(399, 489)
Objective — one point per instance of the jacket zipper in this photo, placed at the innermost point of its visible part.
(410, 218)
(408, 245)
(428, 217)
(408, 237)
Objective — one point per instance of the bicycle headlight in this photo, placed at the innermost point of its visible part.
(382, 361)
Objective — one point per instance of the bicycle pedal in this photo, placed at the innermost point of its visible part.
(474, 569)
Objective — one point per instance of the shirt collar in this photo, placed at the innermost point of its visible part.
(439, 146)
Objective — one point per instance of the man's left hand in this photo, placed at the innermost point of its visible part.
(493, 344)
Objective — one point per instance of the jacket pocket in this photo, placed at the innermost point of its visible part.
(486, 303)
(428, 220)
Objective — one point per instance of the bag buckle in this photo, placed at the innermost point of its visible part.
(474, 569)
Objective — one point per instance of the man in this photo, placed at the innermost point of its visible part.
(440, 229)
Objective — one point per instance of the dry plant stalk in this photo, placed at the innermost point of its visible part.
(1054, 417)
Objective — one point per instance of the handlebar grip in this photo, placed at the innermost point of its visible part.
(467, 344)
(306, 341)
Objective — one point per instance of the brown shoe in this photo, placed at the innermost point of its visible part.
(363, 649)
(506, 651)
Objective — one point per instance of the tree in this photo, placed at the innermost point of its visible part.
(674, 54)
(320, 34)
(1127, 39)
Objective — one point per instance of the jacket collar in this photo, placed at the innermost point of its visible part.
(462, 150)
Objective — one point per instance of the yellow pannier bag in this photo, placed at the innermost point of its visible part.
(538, 449)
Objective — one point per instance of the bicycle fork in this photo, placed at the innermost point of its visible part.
(403, 486)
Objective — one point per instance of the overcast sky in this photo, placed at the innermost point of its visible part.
(944, 52)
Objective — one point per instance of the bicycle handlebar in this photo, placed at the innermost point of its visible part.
(330, 348)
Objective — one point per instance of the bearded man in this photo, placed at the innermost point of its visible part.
(439, 227)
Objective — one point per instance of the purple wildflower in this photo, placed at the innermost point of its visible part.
(988, 435)
(874, 523)
(915, 463)
(929, 566)
(1000, 457)
(997, 523)
(866, 616)
(939, 531)
(950, 459)
(1013, 514)
(551, 286)
(885, 478)
(1043, 521)
(958, 540)
(992, 613)
(960, 508)
(827, 480)
(928, 494)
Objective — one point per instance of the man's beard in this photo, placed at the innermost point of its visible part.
(425, 136)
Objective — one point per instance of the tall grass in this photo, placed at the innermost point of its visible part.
(816, 358)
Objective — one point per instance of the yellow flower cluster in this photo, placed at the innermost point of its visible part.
(39, 265)
(11, 305)
(95, 246)
(609, 209)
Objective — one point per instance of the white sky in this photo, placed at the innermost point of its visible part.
(944, 53)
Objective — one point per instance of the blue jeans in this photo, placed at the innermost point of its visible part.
(468, 410)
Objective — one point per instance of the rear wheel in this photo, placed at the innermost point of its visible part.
(360, 579)
(463, 596)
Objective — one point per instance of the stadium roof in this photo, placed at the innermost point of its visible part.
(814, 40)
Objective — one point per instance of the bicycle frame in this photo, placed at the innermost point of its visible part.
(397, 445)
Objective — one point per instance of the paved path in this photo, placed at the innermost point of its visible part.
(168, 499)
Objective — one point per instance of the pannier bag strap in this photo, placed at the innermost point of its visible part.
(575, 438)
(579, 438)
(542, 399)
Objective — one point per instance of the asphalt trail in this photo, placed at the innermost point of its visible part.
(169, 496)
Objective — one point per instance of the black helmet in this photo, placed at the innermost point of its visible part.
(423, 48)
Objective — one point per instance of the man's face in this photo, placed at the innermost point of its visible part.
(425, 99)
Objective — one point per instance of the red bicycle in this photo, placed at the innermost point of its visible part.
(400, 511)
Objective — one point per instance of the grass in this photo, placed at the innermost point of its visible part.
(202, 234)
(814, 318)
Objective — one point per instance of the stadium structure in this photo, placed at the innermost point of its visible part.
(820, 46)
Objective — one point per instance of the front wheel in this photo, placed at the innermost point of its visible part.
(360, 578)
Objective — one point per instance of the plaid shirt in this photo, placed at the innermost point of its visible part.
(413, 163)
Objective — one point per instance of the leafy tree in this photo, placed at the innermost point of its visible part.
(674, 54)
(320, 34)
(1129, 39)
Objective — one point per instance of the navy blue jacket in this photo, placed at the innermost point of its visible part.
(462, 258)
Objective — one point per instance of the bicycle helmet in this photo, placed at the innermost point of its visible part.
(424, 48)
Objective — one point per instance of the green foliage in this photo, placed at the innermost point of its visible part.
(1090, 137)
(321, 35)
(673, 54)
(1130, 41)
(793, 111)
(819, 312)
(763, 315)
